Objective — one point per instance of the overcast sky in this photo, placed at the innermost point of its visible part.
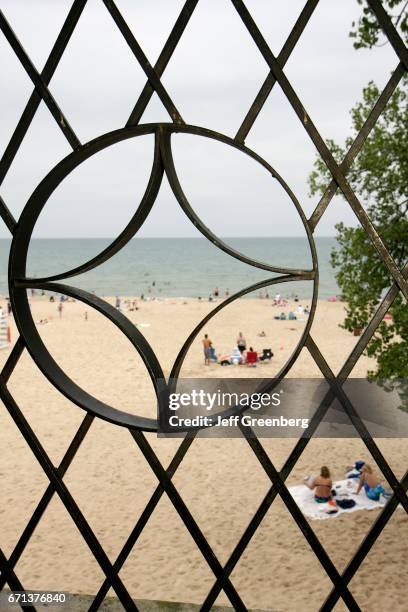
(213, 77)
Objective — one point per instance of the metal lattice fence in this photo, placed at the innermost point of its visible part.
(30, 340)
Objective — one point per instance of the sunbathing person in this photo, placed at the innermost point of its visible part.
(370, 482)
(321, 485)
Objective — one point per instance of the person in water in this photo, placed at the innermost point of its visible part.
(370, 482)
(321, 485)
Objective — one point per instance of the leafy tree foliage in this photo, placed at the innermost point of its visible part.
(379, 176)
(367, 33)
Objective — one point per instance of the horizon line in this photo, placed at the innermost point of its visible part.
(158, 237)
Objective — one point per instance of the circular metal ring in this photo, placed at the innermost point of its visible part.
(163, 161)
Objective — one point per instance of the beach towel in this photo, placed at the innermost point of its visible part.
(304, 498)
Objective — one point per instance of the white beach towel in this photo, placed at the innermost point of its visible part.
(304, 498)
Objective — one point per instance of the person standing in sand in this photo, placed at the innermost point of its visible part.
(207, 346)
(241, 342)
(60, 307)
(321, 485)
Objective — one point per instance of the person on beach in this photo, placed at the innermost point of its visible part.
(370, 482)
(207, 346)
(216, 292)
(241, 342)
(117, 302)
(321, 485)
(60, 307)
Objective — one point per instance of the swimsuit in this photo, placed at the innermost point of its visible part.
(373, 492)
(319, 499)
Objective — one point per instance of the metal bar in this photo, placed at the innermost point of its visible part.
(48, 494)
(267, 502)
(46, 75)
(7, 216)
(38, 82)
(299, 519)
(11, 578)
(55, 475)
(358, 143)
(171, 173)
(371, 328)
(143, 61)
(52, 474)
(320, 144)
(12, 360)
(366, 545)
(270, 80)
(163, 60)
(135, 223)
(142, 521)
(358, 423)
(303, 442)
(187, 517)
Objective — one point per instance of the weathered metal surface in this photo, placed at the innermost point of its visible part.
(162, 163)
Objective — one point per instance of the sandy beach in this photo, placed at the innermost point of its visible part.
(221, 481)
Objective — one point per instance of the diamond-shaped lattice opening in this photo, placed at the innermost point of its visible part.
(325, 78)
(54, 421)
(283, 524)
(57, 557)
(393, 449)
(333, 314)
(151, 28)
(43, 146)
(202, 56)
(276, 21)
(15, 95)
(107, 94)
(180, 571)
(280, 138)
(224, 505)
(266, 571)
(111, 483)
(28, 20)
(23, 482)
(380, 578)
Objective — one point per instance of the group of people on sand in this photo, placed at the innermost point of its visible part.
(240, 349)
(322, 485)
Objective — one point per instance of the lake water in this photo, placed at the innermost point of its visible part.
(189, 267)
